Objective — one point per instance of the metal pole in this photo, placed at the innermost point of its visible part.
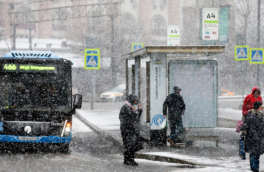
(14, 36)
(30, 40)
(113, 62)
(11, 37)
(258, 41)
(93, 90)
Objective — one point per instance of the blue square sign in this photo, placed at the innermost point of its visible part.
(256, 56)
(137, 46)
(91, 61)
(241, 52)
(92, 58)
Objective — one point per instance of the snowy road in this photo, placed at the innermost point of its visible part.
(89, 152)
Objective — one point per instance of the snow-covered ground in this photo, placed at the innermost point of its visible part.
(106, 120)
(79, 126)
(216, 164)
(231, 114)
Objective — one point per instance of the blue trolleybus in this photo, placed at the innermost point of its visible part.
(36, 102)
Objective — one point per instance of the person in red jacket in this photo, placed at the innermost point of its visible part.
(250, 100)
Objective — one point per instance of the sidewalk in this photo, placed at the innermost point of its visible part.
(202, 154)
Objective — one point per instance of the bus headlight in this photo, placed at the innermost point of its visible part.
(67, 130)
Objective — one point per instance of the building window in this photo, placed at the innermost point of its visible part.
(163, 4)
(154, 4)
(134, 3)
(158, 26)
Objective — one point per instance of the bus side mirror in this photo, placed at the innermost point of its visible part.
(77, 101)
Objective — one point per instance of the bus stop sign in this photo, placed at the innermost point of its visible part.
(91, 58)
(256, 56)
(241, 53)
(137, 46)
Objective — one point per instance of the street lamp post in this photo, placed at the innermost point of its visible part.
(258, 41)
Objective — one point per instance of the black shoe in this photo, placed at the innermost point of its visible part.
(134, 163)
(127, 163)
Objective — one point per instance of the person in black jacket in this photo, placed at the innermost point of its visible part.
(174, 102)
(252, 128)
(129, 121)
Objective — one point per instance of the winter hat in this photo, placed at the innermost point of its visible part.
(257, 90)
(257, 104)
(176, 88)
(132, 98)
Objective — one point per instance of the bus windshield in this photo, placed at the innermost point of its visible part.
(34, 90)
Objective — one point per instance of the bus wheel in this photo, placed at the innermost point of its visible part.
(65, 148)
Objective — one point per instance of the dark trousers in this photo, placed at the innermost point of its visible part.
(129, 155)
(254, 161)
(176, 128)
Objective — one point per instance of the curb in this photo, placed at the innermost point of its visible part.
(231, 120)
(118, 142)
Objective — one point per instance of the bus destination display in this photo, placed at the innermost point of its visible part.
(28, 68)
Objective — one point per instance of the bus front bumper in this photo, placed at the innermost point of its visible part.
(35, 139)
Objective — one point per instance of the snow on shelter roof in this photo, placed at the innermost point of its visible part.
(31, 54)
(183, 49)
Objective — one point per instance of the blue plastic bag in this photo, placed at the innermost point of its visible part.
(242, 153)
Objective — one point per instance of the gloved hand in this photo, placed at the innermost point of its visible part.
(242, 133)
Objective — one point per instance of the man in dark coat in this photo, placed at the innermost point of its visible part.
(174, 102)
(253, 128)
(129, 118)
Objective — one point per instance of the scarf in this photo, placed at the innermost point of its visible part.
(130, 105)
(255, 112)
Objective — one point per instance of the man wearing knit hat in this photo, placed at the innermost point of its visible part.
(253, 129)
(174, 102)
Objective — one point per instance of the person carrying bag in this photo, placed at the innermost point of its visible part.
(253, 132)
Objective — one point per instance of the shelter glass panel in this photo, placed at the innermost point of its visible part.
(198, 81)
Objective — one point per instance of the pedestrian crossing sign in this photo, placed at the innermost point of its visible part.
(241, 53)
(91, 58)
(256, 56)
(137, 46)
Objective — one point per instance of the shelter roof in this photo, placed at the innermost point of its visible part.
(184, 49)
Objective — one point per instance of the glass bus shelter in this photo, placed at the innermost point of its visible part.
(153, 71)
